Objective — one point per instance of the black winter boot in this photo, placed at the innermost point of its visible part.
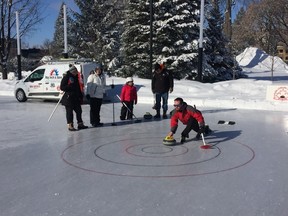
(183, 138)
(81, 126)
(157, 116)
(164, 115)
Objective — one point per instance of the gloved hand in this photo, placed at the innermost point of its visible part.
(170, 134)
(135, 102)
(112, 86)
(170, 90)
(88, 97)
(201, 129)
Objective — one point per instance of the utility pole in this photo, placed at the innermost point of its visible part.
(200, 45)
(65, 54)
(151, 35)
(19, 71)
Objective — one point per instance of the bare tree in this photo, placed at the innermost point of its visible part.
(276, 13)
(228, 5)
(47, 46)
(29, 16)
(263, 24)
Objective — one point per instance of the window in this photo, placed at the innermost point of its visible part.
(36, 76)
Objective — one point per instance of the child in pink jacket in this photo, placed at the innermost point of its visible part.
(128, 98)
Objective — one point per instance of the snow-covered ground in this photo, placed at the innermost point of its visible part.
(242, 93)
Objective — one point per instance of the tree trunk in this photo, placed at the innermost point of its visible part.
(4, 72)
(227, 21)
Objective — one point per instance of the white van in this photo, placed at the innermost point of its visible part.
(44, 81)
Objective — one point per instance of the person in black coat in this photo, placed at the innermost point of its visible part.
(72, 98)
(162, 84)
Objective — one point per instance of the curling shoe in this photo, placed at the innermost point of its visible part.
(81, 126)
(71, 127)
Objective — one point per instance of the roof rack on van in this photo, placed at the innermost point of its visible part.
(72, 61)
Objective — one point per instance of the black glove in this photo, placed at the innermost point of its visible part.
(112, 86)
(88, 97)
(201, 129)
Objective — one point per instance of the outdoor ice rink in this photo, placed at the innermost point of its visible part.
(125, 170)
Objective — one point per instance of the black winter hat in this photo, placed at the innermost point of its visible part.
(157, 66)
(73, 69)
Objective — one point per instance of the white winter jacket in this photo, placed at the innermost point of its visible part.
(96, 85)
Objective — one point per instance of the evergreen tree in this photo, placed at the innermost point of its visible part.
(135, 40)
(220, 64)
(176, 35)
(57, 46)
(98, 30)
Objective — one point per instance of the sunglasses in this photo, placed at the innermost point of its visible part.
(177, 105)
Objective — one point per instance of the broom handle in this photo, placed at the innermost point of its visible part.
(126, 107)
(113, 105)
(55, 108)
(203, 139)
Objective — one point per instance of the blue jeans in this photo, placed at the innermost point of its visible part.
(164, 97)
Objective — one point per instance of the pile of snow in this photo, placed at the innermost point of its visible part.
(258, 60)
(240, 94)
(45, 59)
(7, 87)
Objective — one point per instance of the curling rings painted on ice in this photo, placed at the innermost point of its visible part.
(136, 158)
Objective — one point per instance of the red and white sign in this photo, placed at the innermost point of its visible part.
(277, 93)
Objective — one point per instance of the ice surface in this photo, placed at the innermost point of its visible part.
(126, 170)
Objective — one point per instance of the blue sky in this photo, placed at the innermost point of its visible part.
(45, 30)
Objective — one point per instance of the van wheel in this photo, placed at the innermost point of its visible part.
(20, 95)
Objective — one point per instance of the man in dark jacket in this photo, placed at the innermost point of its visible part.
(72, 97)
(189, 116)
(162, 84)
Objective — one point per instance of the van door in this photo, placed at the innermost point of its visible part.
(34, 83)
(52, 80)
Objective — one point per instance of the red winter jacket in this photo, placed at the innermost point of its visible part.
(184, 116)
(129, 93)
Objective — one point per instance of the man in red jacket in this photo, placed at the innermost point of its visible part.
(189, 116)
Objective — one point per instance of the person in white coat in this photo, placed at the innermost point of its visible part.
(96, 84)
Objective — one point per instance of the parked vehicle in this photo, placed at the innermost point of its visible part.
(44, 81)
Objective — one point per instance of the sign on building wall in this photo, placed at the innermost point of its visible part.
(277, 93)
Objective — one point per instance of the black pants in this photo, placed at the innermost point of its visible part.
(95, 106)
(125, 112)
(192, 124)
(69, 113)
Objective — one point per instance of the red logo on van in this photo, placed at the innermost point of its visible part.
(54, 72)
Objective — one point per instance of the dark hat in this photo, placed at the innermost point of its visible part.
(157, 66)
(73, 69)
(100, 66)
